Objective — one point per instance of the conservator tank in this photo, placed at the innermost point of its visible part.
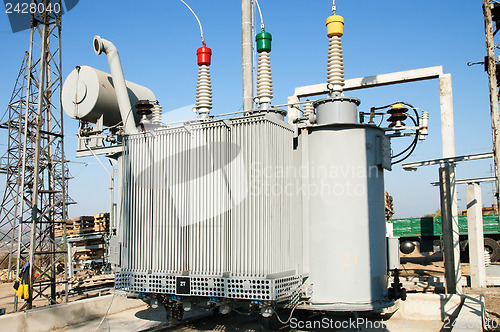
(89, 93)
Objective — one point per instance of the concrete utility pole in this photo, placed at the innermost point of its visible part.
(448, 190)
(476, 239)
(492, 78)
(246, 50)
(451, 248)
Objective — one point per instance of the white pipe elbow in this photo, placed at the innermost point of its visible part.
(126, 112)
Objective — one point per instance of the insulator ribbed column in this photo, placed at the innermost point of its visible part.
(204, 91)
(157, 114)
(308, 108)
(204, 85)
(335, 68)
(264, 78)
(335, 63)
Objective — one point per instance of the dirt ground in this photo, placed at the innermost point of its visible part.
(432, 264)
(413, 265)
(7, 297)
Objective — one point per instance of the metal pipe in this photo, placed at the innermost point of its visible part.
(246, 49)
(115, 66)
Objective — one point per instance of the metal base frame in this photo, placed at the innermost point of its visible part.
(240, 288)
(343, 307)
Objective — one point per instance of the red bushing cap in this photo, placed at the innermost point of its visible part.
(204, 55)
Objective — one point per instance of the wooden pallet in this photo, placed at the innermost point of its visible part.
(99, 223)
(89, 254)
(101, 216)
(83, 222)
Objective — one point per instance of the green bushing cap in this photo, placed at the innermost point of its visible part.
(263, 40)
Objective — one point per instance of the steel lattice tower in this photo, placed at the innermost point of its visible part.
(36, 191)
(11, 166)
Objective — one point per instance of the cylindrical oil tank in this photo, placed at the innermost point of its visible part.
(337, 109)
(89, 93)
(347, 258)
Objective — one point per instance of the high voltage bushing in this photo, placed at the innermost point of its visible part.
(264, 76)
(308, 108)
(335, 74)
(157, 114)
(204, 85)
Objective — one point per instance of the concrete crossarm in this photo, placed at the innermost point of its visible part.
(407, 76)
(373, 81)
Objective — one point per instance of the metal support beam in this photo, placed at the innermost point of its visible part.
(475, 231)
(440, 161)
(450, 229)
(467, 181)
(407, 76)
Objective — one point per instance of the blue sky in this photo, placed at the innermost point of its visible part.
(157, 40)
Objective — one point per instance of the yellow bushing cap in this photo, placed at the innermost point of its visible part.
(335, 26)
(398, 105)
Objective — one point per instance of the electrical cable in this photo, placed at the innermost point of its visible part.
(413, 142)
(413, 108)
(262, 26)
(199, 23)
(408, 155)
(289, 317)
(408, 148)
(91, 151)
(382, 107)
(405, 150)
(399, 102)
(416, 122)
(103, 318)
(382, 120)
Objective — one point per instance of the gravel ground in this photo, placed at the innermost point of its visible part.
(431, 264)
(415, 264)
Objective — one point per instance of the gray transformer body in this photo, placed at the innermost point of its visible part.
(252, 208)
(198, 202)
